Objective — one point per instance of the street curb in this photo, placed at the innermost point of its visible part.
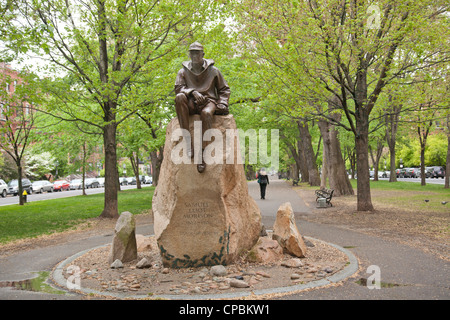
(348, 271)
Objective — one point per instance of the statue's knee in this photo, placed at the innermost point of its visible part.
(180, 97)
(207, 114)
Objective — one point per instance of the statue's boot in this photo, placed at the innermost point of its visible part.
(201, 166)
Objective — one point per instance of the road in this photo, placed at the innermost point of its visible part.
(429, 180)
(55, 195)
(64, 194)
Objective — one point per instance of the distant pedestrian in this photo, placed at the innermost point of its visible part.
(263, 181)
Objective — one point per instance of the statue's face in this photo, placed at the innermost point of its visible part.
(196, 56)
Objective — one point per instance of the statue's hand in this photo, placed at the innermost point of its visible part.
(199, 98)
(221, 106)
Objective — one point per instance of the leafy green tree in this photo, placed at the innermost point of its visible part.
(17, 122)
(347, 50)
(105, 47)
(39, 165)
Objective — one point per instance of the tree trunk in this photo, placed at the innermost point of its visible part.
(334, 162)
(391, 120)
(447, 167)
(324, 172)
(294, 154)
(83, 169)
(352, 159)
(393, 173)
(314, 178)
(364, 201)
(111, 176)
(302, 164)
(337, 175)
(110, 209)
(376, 158)
(422, 166)
(19, 186)
(423, 136)
(135, 165)
(156, 158)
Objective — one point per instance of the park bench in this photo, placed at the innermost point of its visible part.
(325, 193)
(295, 182)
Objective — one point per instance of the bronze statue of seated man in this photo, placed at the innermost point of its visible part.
(200, 89)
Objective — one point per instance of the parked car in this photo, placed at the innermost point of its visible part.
(61, 185)
(91, 183)
(101, 182)
(400, 173)
(384, 174)
(3, 188)
(123, 181)
(410, 173)
(428, 172)
(76, 184)
(148, 180)
(42, 186)
(419, 173)
(437, 172)
(131, 180)
(13, 186)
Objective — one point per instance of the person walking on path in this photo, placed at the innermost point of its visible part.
(263, 181)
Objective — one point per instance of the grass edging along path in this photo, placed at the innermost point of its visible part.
(48, 216)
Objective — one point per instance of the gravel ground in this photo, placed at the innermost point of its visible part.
(321, 261)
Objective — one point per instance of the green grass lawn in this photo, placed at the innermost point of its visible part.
(404, 185)
(407, 195)
(412, 196)
(49, 216)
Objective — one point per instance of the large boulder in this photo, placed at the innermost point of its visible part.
(124, 246)
(204, 218)
(285, 231)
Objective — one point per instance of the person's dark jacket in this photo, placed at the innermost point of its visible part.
(263, 179)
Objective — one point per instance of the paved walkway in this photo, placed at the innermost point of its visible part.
(407, 272)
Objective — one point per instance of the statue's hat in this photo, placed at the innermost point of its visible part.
(196, 46)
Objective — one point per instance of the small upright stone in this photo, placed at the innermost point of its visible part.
(286, 233)
(116, 264)
(124, 245)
